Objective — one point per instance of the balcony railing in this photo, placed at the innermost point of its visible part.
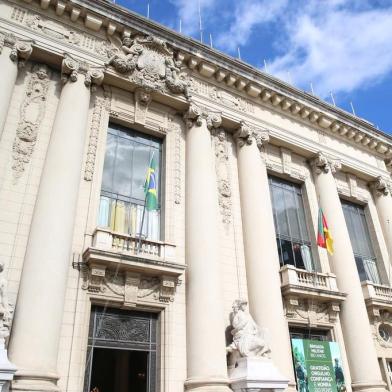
(104, 239)
(374, 293)
(302, 283)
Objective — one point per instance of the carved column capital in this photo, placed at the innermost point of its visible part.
(381, 186)
(196, 115)
(20, 49)
(322, 164)
(94, 76)
(245, 134)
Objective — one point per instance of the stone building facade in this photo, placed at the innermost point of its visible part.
(90, 92)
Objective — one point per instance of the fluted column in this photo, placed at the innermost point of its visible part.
(361, 353)
(206, 355)
(11, 52)
(39, 310)
(261, 254)
(382, 197)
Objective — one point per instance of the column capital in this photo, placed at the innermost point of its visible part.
(71, 68)
(246, 134)
(381, 186)
(196, 114)
(20, 49)
(323, 164)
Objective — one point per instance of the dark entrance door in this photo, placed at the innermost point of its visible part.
(121, 355)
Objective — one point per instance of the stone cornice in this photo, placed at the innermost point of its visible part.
(231, 73)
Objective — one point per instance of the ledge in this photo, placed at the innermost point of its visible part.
(377, 297)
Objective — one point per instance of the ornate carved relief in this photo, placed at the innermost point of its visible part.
(381, 187)
(6, 311)
(196, 114)
(31, 113)
(142, 101)
(61, 32)
(322, 164)
(149, 62)
(101, 104)
(381, 324)
(130, 287)
(176, 128)
(223, 173)
(311, 312)
(20, 49)
(220, 96)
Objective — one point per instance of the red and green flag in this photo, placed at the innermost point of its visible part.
(150, 186)
(324, 237)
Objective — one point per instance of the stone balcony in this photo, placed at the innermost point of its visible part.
(377, 297)
(121, 268)
(310, 298)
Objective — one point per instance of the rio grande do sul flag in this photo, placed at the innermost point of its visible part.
(324, 237)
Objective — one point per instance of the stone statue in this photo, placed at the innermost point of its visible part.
(173, 80)
(5, 310)
(248, 338)
(127, 60)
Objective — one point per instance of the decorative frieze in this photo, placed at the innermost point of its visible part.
(130, 287)
(196, 114)
(31, 113)
(175, 127)
(223, 174)
(324, 164)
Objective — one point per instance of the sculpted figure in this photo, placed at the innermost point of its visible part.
(248, 339)
(173, 80)
(126, 61)
(5, 311)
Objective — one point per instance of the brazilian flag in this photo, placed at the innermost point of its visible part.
(150, 186)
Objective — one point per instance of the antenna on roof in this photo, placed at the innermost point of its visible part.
(311, 88)
(239, 53)
(200, 25)
(211, 40)
(289, 77)
(352, 108)
(265, 66)
(333, 99)
(180, 25)
(148, 10)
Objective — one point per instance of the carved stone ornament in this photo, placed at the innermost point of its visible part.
(20, 49)
(130, 287)
(245, 135)
(32, 111)
(249, 340)
(196, 114)
(322, 164)
(381, 186)
(223, 174)
(5, 308)
(150, 63)
(142, 102)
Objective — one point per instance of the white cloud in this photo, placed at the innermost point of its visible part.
(247, 15)
(338, 47)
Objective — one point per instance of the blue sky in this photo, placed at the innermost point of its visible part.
(343, 46)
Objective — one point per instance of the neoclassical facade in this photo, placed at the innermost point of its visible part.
(97, 291)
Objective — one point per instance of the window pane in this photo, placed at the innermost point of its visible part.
(108, 167)
(291, 210)
(123, 168)
(281, 217)
(141, 162)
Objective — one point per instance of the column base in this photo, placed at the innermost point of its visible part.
(34, 381)
(207, 385)
(369, 386)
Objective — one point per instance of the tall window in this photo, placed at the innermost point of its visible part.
(127, 159)
(360, 242)
(292, 235)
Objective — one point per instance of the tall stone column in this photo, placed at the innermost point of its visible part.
(206, 354)
(383, 200)
(36, 328)
(261, 254)
(11, 52)
(361, 353)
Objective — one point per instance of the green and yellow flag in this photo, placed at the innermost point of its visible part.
(150, 186)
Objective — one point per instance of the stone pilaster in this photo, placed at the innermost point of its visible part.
(12, 53)
(206, 353)
(261, 254)
(39, 309)
(381, 188)
(362, 356)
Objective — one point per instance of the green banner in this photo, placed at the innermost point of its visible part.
(318, 366)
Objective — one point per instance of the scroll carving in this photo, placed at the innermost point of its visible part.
(245, 135)
(322, 164)
(32, 112)
(196, 114)
(381, 186)
(149, 62)
(20, 49)
(223, 174)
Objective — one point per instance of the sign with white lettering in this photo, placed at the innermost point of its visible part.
(318, 366)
